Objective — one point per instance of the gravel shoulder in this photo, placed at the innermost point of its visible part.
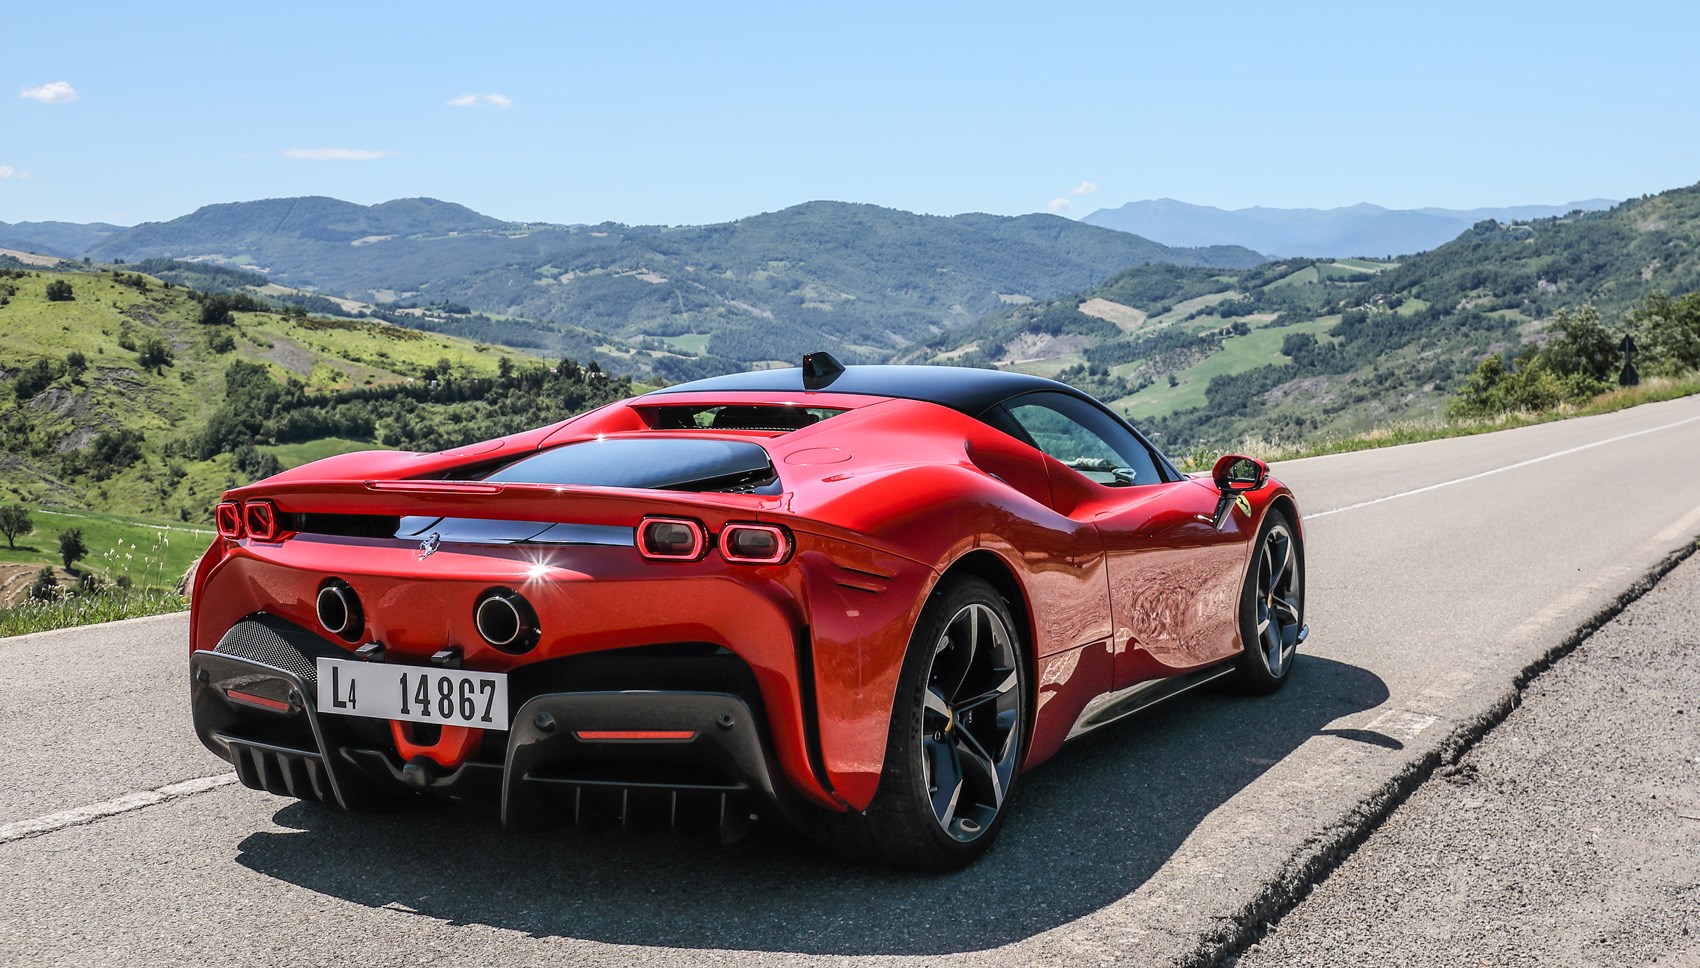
(1570, 835)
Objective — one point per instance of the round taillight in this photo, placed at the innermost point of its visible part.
(754, 544)
(672, 539)
(339, 610)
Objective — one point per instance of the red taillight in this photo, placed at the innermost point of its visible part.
(261, 701)
(260, 519)
(755, 544)
(229, 518)
(619, 735)
(671, 539)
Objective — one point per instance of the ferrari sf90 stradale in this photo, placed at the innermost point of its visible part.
(867, 598)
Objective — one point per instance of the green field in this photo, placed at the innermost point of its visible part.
(106, 327)
(294, 455)
(692, 343)
(1238, 354)
(146, 550)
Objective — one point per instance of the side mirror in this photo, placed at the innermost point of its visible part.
(1237, 473)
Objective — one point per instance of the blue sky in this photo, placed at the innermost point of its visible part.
(687, 113)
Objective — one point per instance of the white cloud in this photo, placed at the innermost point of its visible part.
(1059, 206)
(473, 100)
(1084, 188)
(335, 154)
(7, 171)
(58, 92)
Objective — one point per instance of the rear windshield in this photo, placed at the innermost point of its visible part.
(681, 464)
(774, 418)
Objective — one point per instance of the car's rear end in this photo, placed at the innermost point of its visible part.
(611, 622)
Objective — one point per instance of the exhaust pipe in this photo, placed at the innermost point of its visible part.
(339, 610)
(506, 620)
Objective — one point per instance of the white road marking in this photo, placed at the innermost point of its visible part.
(36, 826)
(1500, 470)
(1401, 724)
(1682, 527)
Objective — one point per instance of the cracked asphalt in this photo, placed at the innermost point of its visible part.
(1570, 835)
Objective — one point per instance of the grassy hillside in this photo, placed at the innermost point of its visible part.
(861, 280)
(1301, 349)
(103, 395)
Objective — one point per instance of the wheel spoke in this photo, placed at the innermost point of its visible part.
(1288, 609)
(958, 655)
(1279, 575)
(944, 779)
(977, 761)
(935, 704)
(1002, 689)
(1273, 649)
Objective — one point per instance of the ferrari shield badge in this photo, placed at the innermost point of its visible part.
(1243, 504)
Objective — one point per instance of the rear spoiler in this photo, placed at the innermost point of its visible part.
(503, 501)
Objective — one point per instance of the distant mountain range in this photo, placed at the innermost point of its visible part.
(1301, 347)
(860, 280)
(67, 240)
(1356, 230)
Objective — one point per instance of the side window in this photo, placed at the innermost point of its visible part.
(1085, 438)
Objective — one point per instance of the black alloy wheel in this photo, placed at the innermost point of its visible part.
(971, 725)
(1272, 606)
(958, 732)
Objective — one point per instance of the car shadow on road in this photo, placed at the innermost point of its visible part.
(1088, 828)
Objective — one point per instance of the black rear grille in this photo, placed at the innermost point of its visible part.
(285, 772)
(282, 645)
(344, 525)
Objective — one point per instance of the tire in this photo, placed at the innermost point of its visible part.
(1271, 607)
(958, 728)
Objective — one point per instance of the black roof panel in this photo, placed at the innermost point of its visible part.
(969, 389)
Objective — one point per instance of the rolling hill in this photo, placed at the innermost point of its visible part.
(123, 399)
(1355, 230)
(861, 280)
(1302, 347)
(67, 240)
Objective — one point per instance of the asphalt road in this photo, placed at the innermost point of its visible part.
(1569, 836)
(1438, 573)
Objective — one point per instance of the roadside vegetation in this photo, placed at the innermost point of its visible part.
(126, 579)
(141, 397)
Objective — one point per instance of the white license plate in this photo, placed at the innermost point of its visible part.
(452, 697)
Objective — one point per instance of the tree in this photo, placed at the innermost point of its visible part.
(1580, 346)
(76, 363)
(154, 354)
(71, 547)
(216, 312)
(45, 588)
(1494, 389)
(1667, 332)
(14, 523)
(59, 291)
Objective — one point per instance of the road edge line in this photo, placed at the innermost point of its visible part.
(1302, 873)
(127, 803)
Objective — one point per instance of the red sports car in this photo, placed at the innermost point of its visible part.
(866, 597)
